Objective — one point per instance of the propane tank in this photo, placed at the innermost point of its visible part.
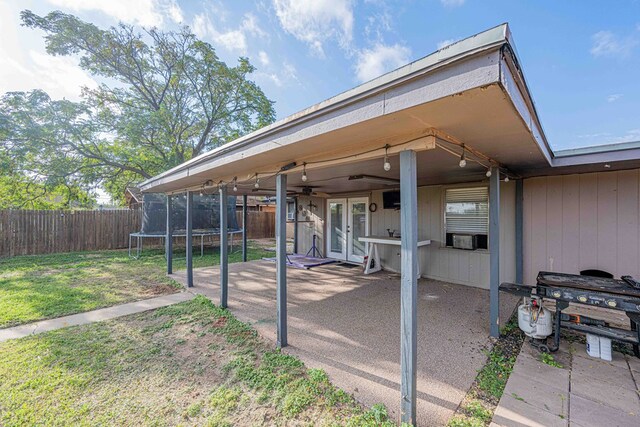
(535, 320)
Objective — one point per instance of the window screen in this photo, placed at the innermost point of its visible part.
(467, 210)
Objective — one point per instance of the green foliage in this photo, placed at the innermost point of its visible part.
(548, 359)
(165, 97)
(493, 377)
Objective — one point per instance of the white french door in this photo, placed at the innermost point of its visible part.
(347, 221)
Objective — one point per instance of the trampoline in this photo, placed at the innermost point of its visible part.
(205, 219)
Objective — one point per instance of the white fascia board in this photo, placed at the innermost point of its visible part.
(512, 80)
(611, 153)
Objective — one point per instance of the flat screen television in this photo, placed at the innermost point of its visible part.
(391, 200)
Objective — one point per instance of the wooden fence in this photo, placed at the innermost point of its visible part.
(30, 232)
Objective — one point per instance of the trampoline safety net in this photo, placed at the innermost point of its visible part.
(206, 213)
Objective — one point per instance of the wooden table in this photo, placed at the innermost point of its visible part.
(373, 258)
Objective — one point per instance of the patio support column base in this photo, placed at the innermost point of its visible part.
(494, 252)
(281, 258)
(169, 236)
(224, 248)
(189, 239)
(408, 285)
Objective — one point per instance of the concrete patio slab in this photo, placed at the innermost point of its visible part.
(588, 413)
(93, 316)
(515, 413)
(596, 392)
(348, 324)
(541, 396)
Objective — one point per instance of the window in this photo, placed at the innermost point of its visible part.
(291, 211)
(467, 213)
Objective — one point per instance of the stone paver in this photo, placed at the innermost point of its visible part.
(93, 316)
(587, 413)
(585, 392)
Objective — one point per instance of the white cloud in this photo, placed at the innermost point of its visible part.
(452, 3)
(380, 59)
(614, 97)
(234, 40)
(603, 138)
(606, 43)
(316, 21)
(59, 76)
(285, 76)
(143, 12)
(263, 57)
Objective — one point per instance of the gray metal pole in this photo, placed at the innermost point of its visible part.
(281, 258)
(519, 231)
(494, 252)
(189, 239)
(408, 285)
(224, 248)
(295, 225)
(244, 228)
(169, 237)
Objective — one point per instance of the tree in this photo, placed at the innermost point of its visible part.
(165, 97)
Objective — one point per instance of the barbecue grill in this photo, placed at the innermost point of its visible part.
(613, 294)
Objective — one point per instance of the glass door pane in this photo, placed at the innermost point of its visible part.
(358, 226)
(337, 226)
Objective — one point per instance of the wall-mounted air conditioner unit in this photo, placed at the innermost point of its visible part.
(465, 241)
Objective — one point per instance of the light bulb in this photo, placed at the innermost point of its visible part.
(462, 163)
(488, 174)
(304, 172)
(257, 184)
(387, 165)
(506, 179)
(235, 187)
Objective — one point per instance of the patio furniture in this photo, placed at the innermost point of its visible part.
(373, 258)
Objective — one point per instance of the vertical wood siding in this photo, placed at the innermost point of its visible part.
(577, 222)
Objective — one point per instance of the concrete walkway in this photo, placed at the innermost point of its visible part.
(585, 392)
(93, 316)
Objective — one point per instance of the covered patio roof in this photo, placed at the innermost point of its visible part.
(471, 93)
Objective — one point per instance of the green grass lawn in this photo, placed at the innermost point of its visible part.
(188, 364)
(46, 286)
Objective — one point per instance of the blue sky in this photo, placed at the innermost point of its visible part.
(581, 58)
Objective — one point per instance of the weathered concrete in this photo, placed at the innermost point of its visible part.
(585, 392)
(93, 316)
(349, 325)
